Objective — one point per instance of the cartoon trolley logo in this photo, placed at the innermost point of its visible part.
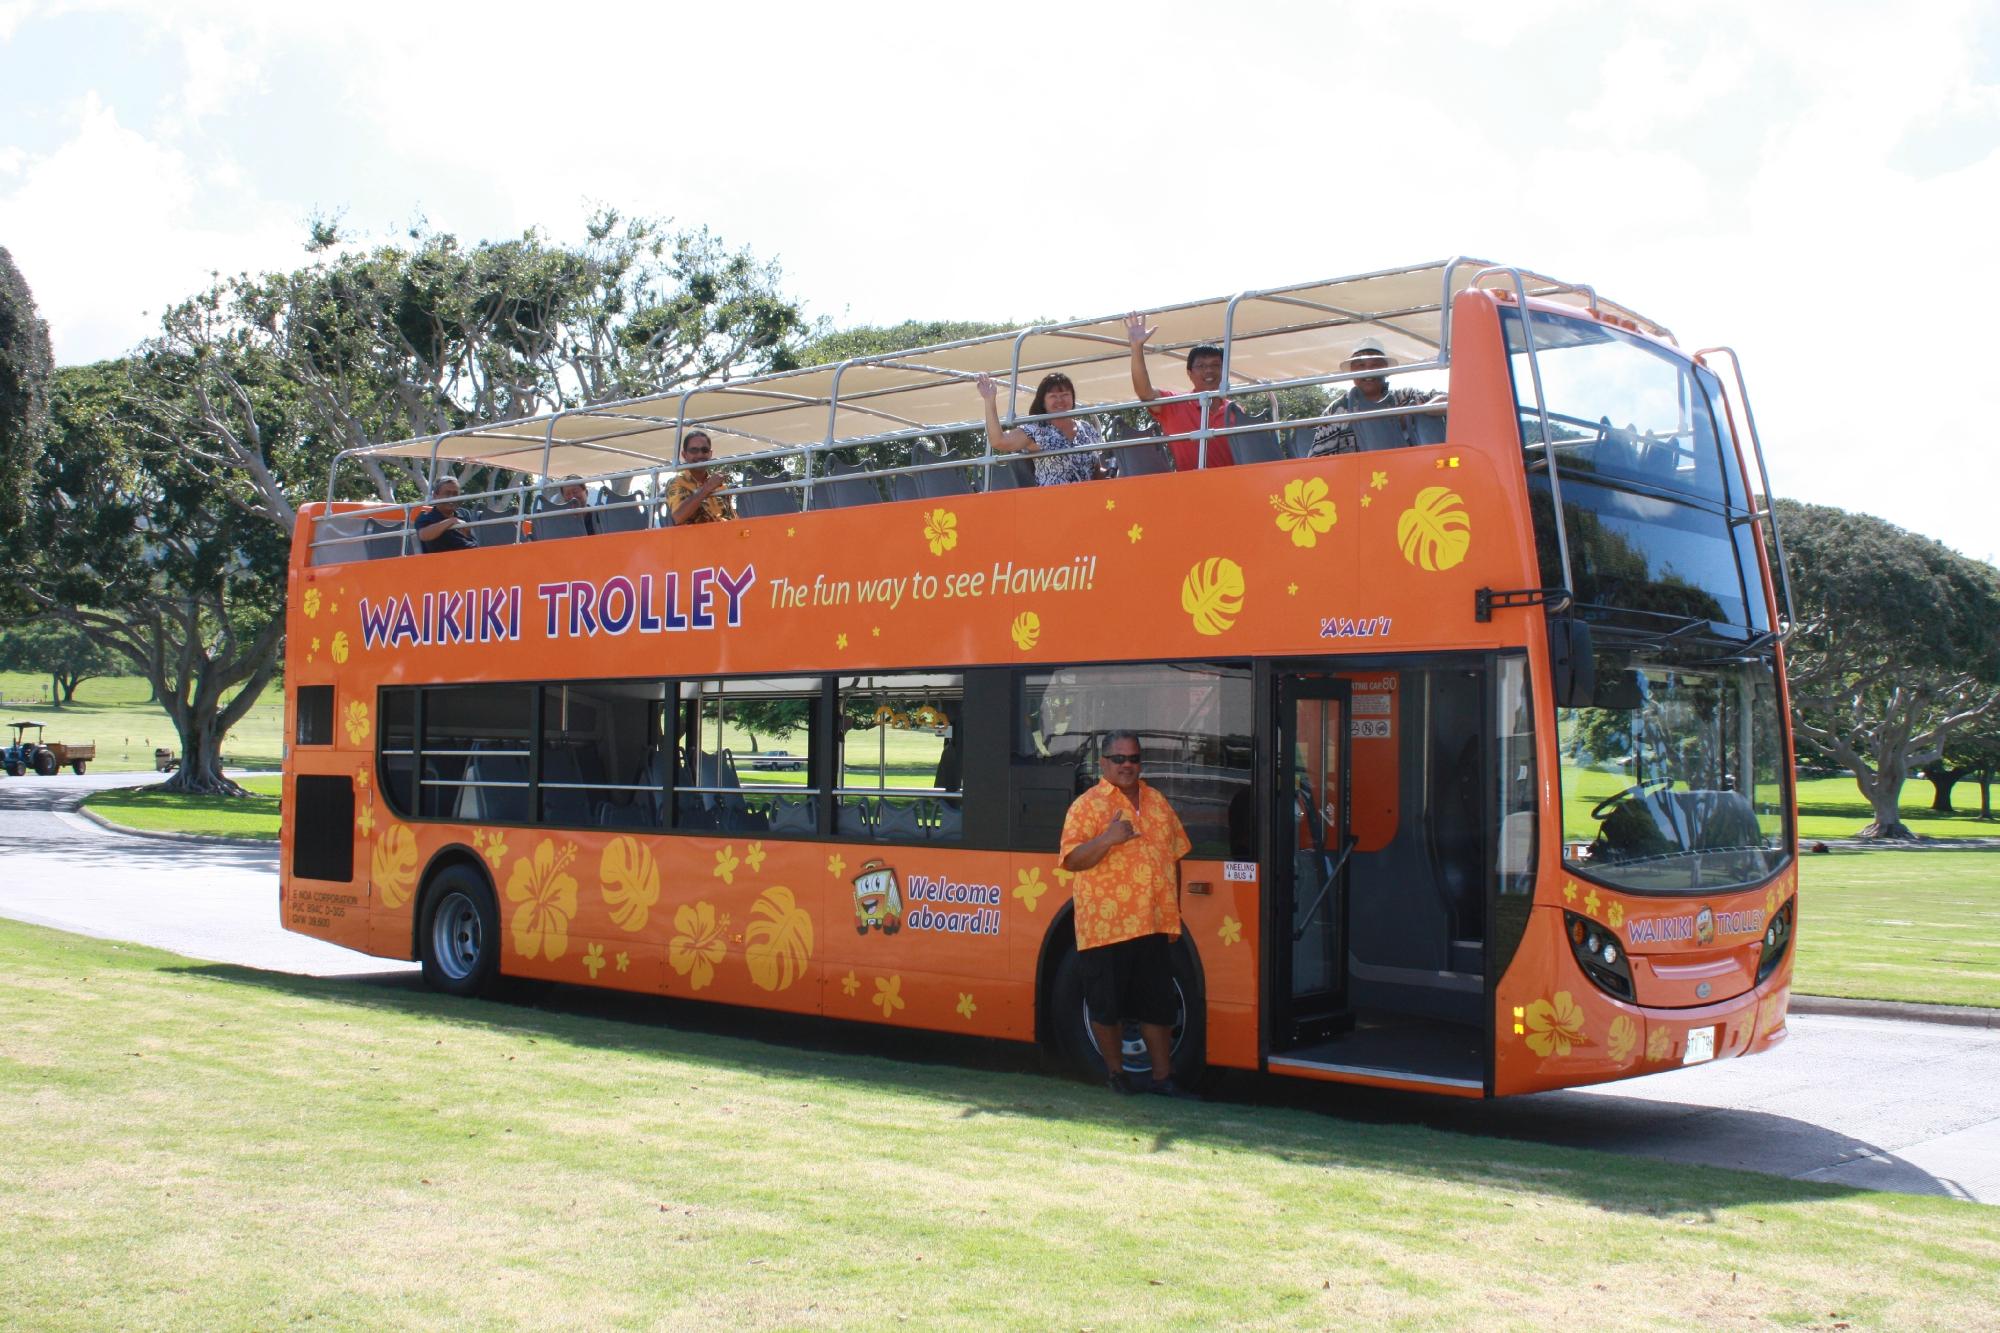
(1701, 926)
(961, 908)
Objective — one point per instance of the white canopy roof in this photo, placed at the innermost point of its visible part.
(1279, 334)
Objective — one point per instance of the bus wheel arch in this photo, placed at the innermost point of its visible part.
(1060, 1023)
(455, 931)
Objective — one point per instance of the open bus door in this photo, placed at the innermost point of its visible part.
(1313, 841)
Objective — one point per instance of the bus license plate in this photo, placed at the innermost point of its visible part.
(1701, 1046)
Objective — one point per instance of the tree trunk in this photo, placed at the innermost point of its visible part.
(57, 698)
(200, 773)
(67, 684)
(1986, 793)
(1942, 780)
(1884, 801)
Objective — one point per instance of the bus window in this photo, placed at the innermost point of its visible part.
(726, 779)
(474, 753)
(1194, 726)
(602, 764)
(397, 759)
(900, 770)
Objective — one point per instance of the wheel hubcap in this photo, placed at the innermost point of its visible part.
(455, 937)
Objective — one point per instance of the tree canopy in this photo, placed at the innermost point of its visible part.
(61, 651)
(1897, 647)
(25, 365)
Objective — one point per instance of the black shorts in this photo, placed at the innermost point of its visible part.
(1132, 980)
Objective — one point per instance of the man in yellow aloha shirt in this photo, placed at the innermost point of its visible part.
(1125, 844)
(691, 495)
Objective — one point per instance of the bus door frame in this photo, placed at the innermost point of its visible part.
(1295, 1020)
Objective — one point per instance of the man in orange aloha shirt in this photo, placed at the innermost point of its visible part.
(1125, 844)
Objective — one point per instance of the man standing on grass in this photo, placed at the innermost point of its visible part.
(1125, 844)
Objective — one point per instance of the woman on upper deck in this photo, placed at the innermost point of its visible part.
(1059, 447)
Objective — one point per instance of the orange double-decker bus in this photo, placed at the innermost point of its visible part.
(1464, 675)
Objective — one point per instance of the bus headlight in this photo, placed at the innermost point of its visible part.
(1777, 939)
(1599, 955)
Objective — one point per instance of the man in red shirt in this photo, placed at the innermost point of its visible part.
(1179, 414)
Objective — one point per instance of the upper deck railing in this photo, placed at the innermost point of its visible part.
(837, 435)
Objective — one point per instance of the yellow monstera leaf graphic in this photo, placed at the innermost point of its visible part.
(340, 645)
(631, 882)
(1624, 1035)
(778, 942)
(1212, 594)
(393, 867)
(1435, 532)
(1027, 630)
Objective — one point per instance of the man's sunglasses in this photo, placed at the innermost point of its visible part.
(1121, 759)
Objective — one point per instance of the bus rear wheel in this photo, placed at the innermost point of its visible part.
(459, 939)
(1074, 1044)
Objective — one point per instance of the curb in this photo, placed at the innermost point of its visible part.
(206, 839)
(1952, 1015)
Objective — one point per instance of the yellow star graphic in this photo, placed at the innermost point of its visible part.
(1291, 590)
(624, 961)
(1569, 892)
(840, 641)
(876, 632)
(1379, 480)
(1367, 500)
(1110, 504)
(791, 532)
(1590, 904)
(1135, 532)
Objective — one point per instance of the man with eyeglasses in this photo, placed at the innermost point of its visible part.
(1125, 844)
(691, 495)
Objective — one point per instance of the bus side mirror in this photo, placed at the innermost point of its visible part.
(1572, 664)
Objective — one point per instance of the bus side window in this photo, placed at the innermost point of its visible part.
(900, 767)
(745, 756)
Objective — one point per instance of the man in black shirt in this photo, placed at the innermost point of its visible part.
(439, 528)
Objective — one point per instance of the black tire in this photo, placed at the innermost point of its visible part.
(459, 936)
(45, 764)
(15, 770)
(79, 766)
(1074, 1047)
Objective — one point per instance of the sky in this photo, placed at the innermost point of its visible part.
(1812, 184)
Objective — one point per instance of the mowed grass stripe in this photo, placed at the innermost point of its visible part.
(206, 1146)
(1916, 926)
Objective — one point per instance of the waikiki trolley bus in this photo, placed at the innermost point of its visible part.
(1482, 744)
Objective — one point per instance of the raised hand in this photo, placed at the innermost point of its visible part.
(1136, 331)
(988, 389)
(1121, 830)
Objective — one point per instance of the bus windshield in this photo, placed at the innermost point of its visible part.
(1649, 481)
(1674, 776)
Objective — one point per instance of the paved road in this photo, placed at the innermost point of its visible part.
(1870, 1103)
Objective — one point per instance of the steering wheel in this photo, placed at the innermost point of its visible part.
(1602, 810)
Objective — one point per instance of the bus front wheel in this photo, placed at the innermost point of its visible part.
(460, 938)
(1074, 1042)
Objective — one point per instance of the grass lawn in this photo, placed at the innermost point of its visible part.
(1829, 808)
(113, 712)
(173, 812)
(1921, 926)
(204, 1146)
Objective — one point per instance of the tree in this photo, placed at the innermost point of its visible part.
(25, 364)
(66, 654)
(1971, 755)
(174, 498)
(1897, 648)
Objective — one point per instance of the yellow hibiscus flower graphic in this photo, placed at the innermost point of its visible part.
(340, 645)
(1435, 532)
(1555, 1025)
(1304, 511)
(1659, 1045)
(1624, 1035)
(357, 722)
(697, 943)
(1030, 887)
(1212, 594)
(941, 530)
(545, 896)
(630, 881)
(1231, 931)
(312, 604)
(393, 867)
(1027, 630)
(889, 994)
